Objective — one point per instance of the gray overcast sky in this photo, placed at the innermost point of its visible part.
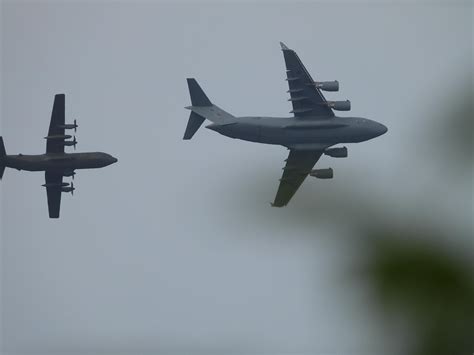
(175, 248)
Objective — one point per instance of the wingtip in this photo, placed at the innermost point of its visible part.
(284, 47)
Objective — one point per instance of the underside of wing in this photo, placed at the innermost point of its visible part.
(298, 166)
(306, 98)
(56, 125)
(53, 190)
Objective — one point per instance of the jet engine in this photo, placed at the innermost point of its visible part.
(340, 105)
(322, 173)
(327, 85)
(336, 152)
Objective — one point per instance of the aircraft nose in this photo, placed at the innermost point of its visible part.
(380, 129)
(113, 160)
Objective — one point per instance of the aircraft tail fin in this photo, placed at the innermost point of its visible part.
(201, 109)
(198, 97)
(3, 154)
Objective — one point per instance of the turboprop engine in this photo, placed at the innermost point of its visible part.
(68, 188)
(69, 173)
(336, 152)
(70, 126)
(63, 138)
(63, 184)
(72, 143)
(58, 137)
(327, 85)
(322, 173)
(340, 105)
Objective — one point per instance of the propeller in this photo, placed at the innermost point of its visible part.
(72, 188)
(74, 142)
(75, 125)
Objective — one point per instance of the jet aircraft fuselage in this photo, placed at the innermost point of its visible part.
(293, 132)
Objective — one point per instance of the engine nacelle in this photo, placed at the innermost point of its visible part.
(327, 85)
(69, 126)
(336, 152)
(58, 137)
(340, 105)
(64, 184)
(72, 143)
(69, 173)
(68, 189)
(322, 173)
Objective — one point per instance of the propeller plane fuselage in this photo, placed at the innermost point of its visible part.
(56, 163)
(59, 162)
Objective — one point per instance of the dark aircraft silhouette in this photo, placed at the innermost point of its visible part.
(56, 163)
(308, 135)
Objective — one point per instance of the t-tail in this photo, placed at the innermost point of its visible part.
(3, 155)
(202, 108)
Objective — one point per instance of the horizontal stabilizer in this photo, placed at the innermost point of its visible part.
(195, 121)
(212, 113)
(198, 97)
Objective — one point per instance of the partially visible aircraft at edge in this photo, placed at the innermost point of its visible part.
(308, 135)
(56, 163)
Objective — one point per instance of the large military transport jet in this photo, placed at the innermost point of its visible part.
(312, 131)
(56, 163)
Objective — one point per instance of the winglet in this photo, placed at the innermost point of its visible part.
(284, 47)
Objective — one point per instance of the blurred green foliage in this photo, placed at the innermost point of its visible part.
(419, 268)
(457, 128)
(432, 288)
